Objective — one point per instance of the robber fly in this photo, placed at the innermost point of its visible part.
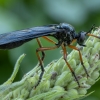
(63, 32)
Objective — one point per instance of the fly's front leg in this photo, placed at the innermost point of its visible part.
(93, 35)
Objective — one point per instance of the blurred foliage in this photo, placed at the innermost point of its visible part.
(21, 14)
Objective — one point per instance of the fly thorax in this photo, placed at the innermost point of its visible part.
(68, 39)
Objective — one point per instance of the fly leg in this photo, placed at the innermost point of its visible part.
(72, 71)
(80, 55)
(93, 35)
(42, 49)
(40, 45)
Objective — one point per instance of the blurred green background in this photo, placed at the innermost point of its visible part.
(21, 14)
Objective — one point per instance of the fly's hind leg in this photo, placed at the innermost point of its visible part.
(42, 49)
(40, 45)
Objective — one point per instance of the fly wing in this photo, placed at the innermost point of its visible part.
(28, 34)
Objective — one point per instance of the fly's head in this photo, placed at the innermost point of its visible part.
(81, 38)
(82, 35)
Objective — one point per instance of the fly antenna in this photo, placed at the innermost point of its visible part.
(93, 26)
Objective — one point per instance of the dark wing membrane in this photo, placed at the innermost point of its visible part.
(28, 34)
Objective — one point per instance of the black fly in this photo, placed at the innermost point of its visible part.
(64, 33)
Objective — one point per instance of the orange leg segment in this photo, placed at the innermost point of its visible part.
(48, 39)
(93, 35)
(40, 45)
(42, 49)
(72, 71)
(73, 41)
(80, 55)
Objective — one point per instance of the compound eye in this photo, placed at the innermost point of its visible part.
(82, 36)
